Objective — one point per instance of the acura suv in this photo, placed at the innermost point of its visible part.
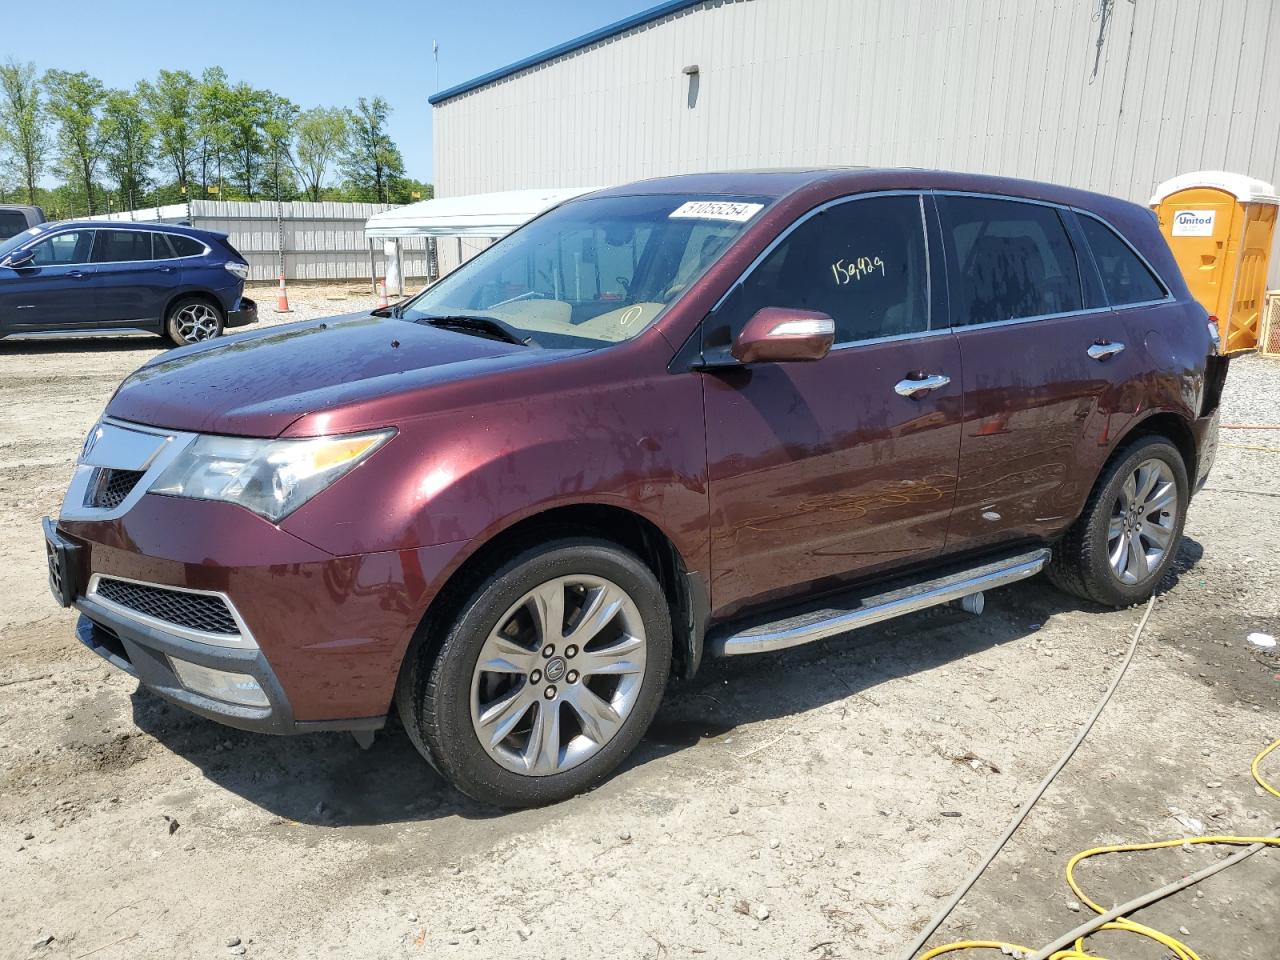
(700, 416)
(95, 278)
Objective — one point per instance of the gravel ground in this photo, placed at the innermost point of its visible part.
(817, 803)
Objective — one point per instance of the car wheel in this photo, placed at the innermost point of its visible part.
(547, 677)
(1130, 530)
(191, 320)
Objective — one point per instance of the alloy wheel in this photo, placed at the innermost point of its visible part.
(558, 675)
(196, 322)
(1143, 520)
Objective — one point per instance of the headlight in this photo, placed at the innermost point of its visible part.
(241, 270)
(270, 477)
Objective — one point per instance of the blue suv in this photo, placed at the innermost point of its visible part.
(93, 278)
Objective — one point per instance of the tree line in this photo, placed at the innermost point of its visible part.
(181, 137)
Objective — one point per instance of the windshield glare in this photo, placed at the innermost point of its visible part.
(591, 272)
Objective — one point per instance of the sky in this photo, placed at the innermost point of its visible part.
(315, 52)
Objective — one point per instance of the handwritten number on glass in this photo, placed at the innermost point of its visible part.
(847, 271)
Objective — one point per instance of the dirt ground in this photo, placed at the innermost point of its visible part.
(813, 804)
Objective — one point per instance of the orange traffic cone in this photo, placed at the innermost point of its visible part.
(282, 298)
(382, 294)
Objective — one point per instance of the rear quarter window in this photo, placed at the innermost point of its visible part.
(1125, 278)
(185, 246)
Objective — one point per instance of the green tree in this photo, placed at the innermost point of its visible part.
(127, 142)
(320, 138)
(371, 163)
(75, 100)
(277, 181)
(170, 108)
(213, 126)
(24, 128)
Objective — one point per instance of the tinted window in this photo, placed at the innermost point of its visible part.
(862, 263)
(186, 246)
(63, 248)
(1008, 260)
(121, 246)
(1125, 277)
(12, 223)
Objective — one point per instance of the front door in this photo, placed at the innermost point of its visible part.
(821, 472)
(55, 290)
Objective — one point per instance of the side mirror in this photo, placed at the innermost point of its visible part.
(20, 258)
(780, 335)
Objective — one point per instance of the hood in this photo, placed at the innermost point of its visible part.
(259, 383)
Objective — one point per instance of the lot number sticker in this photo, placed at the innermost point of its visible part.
(1193, 223)
(716, 210)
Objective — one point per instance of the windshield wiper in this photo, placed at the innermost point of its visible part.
(484, 326)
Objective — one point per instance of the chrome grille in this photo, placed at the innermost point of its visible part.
(110, 487)
(194, 611)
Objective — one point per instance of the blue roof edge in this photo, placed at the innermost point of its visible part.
(577, 43)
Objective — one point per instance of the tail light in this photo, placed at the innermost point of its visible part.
(1215, 338)
(241, 270)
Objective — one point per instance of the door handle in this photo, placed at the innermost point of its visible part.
(77, 274)
(165, 269)
(1104, 349)
(918, 388)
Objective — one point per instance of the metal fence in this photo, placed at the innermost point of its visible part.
(310, 241)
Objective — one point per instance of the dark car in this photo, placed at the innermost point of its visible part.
(13, 220)
(95, 278)
(699, 416)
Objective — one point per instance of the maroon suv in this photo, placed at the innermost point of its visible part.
(702, 415)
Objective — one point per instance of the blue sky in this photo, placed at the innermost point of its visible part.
(320, 52)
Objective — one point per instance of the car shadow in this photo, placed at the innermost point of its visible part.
(325, 779)
(73, 345)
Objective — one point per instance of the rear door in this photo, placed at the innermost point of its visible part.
(822, 472)
(1046, 370)
(55, 290)
(133, 278)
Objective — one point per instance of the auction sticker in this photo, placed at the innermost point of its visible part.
(729, 210)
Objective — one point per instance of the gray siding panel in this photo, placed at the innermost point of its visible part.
(998, 86)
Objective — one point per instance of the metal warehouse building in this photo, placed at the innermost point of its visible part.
(1109, 95)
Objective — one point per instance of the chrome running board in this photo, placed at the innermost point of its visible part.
(862, 611)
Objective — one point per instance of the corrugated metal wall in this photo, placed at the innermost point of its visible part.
(996, 86)
(322, 241)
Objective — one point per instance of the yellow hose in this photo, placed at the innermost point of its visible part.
(1180, 950)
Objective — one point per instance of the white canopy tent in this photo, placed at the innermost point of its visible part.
(480, 216)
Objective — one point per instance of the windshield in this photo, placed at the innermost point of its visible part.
(14, 242)
(591, 272)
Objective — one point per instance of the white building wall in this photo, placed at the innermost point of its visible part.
(992, 86)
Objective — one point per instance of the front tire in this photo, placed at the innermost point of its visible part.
(1129, 533)
(191, 320)
(547, 677)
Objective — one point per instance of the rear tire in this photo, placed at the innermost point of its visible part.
(1120, 547)
(576, 635)
(192, 320)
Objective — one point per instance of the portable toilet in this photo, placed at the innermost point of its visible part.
(1220, 226)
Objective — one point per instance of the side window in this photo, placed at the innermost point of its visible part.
(161, 248)
(1125, 277)
(12, 223)
(1007, 260)
(863, 263)
(121, 246)
(61, 249)
(186, 246)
